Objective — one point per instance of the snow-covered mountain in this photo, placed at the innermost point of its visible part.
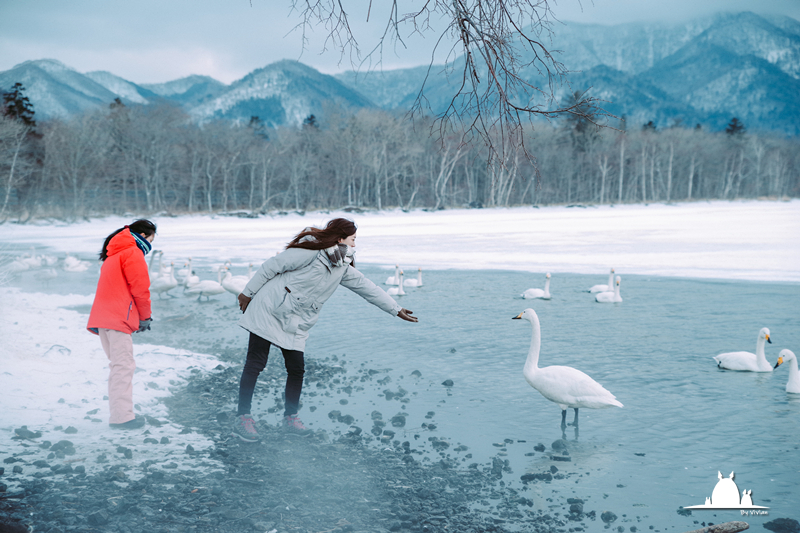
(285, 92)
(54, 89)
(704, 71)
(124, 89)
(189, 91)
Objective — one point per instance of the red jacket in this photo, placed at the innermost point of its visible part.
(123, 291)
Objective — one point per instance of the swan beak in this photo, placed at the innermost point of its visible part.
(769, 340)
(516, 317)
(780, 361)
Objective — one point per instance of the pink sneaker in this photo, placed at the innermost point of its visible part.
(293, 424)
(244, 427)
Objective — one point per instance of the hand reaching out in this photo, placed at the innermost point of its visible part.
(405, 314)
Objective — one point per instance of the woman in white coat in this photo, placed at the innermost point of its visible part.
(282, 302)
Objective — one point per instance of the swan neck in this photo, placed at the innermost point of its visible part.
(532, 362)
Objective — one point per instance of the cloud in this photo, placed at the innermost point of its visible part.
(150, 41)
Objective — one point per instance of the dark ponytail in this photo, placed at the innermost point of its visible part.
(139, 226)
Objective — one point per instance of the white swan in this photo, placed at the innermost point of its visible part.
(539, 293)
(207, 287)
(397, 291)
(165, 282)
(414, 282)
(190, 279)
(563, 385)
(604, 288)
(73, 264)
(185, 271)
(793, 385)
(609, 297)
(393, 280)
(746, 361)
(234, 284)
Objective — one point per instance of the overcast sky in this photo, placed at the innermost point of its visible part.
(152, 41)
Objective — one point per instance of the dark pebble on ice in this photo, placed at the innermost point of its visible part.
(3, 487)
(93, 411)
(346, 419)
(17, 469)
(41, 464)
(334, 415)
(398, 421)
(684, 512)
(150, 440)
(80, 469)
(430, 414)
(2, 470)
(553, 469)
(102, 458)
(164, 440)
(608, 517)
(25, 433)
(45, 444)
(539, 447)
(416, 374)
(563, 458)
(559, 445)
(189, 448)
(343, 401)
(447, 383)
(71, 430)
(98, 518)
(185, 431)
(62, 445)
(639, 454)
(62, 400)
(783, 525)
(545, 476)
(576, 508)
(9, 460)
(376, 415)
(153, 421)
(389, 433)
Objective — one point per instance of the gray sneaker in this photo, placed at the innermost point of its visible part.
(244, 427)
(293, 424)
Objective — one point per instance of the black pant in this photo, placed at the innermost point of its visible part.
(257, 354)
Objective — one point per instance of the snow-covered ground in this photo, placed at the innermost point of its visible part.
(752, 240)
(48, 356)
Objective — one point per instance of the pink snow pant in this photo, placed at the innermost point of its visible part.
(119, 349)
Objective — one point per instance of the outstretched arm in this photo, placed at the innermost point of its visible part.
(356, 282)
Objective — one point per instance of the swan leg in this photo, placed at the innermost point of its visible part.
(575, 422)
(563, 419)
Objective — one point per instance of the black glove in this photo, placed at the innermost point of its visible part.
(144, 325)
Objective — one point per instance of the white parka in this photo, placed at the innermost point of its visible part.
(288, 292)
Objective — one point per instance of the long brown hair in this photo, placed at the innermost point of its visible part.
(320, 239)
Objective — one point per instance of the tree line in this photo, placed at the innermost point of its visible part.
(155, 159)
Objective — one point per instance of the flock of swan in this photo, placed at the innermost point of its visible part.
(163, 279)
(399, 281)
(604, 294)
(46, 266)
(757, 362)
(569, 388)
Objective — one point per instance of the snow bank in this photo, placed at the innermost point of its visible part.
(747, 240)
(55, 373)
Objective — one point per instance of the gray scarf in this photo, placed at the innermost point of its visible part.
(339, 255)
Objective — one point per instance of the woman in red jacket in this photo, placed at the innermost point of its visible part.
(121, 307)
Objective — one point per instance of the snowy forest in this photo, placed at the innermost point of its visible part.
(156, 159)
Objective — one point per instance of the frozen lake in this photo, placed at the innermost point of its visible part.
(683, 419)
